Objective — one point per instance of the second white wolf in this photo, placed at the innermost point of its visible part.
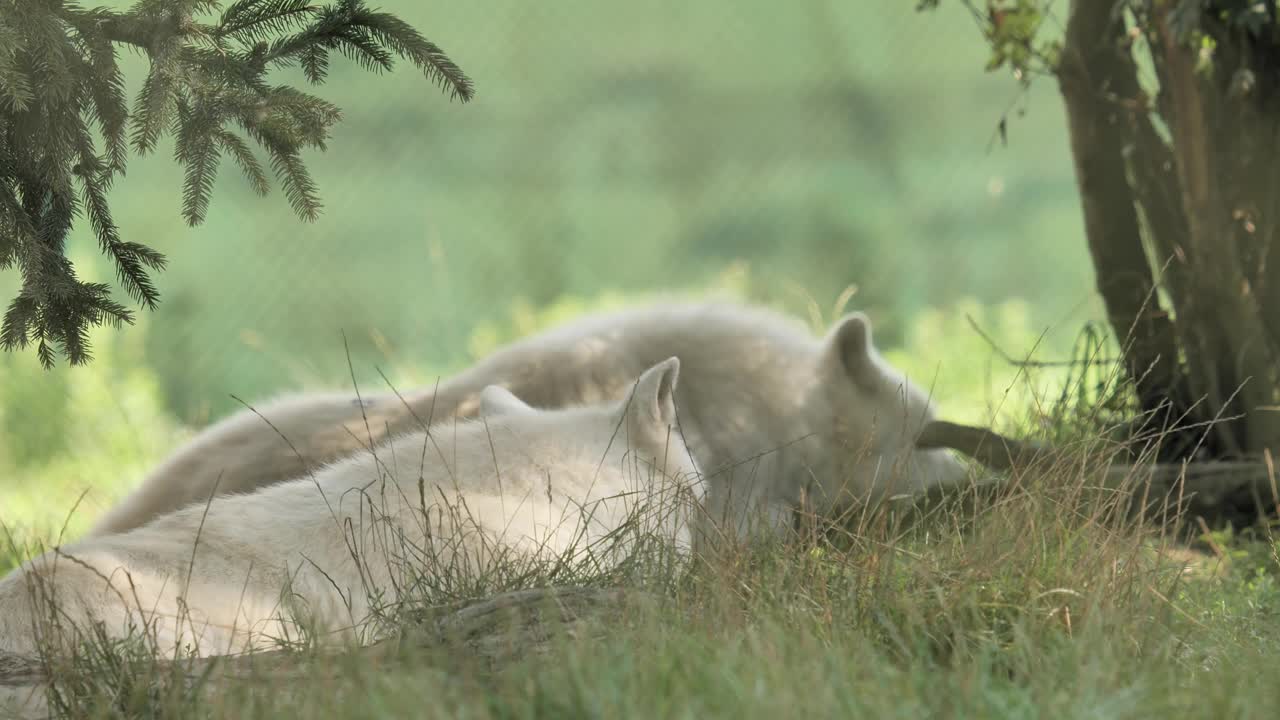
(244, 570)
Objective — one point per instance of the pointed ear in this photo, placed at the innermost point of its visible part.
(653, 402)
(497, 400)
(849, 348)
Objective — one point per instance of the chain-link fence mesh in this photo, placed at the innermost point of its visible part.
(784, 152)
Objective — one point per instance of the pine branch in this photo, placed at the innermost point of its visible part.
(220, 67)
(197, 185)
(49, 59)
(299, 188)
(131, 259)
(60, 78)
(332, 30)
(239, 151)
(134, 28)
(62, 320)
(157, 98)
(359, 45)
(255, 20)
(16, 230)
(104, 84)
(15, 90)
(315, 64)
(311, 116)
(16, 328)
(57, 213)
(407, 42)
(12, 240)
(370, 38)
(196, 150)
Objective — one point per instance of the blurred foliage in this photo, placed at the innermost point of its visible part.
(1024, 35)
(98, 429)
(659, 152)
(654, 152)
(88, 431)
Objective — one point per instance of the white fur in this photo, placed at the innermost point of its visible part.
(771, 412)
(535, 482)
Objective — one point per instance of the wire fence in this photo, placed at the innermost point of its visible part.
(785, 152)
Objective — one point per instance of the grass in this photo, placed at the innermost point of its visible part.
(1035, 603)
(603, 151)
(1039, 610)
(1041, 601)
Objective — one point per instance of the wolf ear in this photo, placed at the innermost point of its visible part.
(496, 400)
(849, 347)
(653, 404)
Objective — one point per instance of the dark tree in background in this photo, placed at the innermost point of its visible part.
(66, 128)
(1173, 108)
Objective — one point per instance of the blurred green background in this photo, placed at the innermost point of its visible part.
(778, 152)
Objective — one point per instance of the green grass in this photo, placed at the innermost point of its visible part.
(1037, 604)
(614, 150)
(1041, 603)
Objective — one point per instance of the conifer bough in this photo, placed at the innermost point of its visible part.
(66, 129)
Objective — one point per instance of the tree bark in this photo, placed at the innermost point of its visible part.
(988, 447)
(1227, 346)
(1094, 72)
(1233, 491)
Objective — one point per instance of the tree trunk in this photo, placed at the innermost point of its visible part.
(1224, 340)
(1208, 203)
(1093, 74)
(1217, 492)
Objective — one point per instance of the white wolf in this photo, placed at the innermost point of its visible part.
(533, 483)
(771, 412)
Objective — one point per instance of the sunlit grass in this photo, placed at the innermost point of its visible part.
(1042, 602)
